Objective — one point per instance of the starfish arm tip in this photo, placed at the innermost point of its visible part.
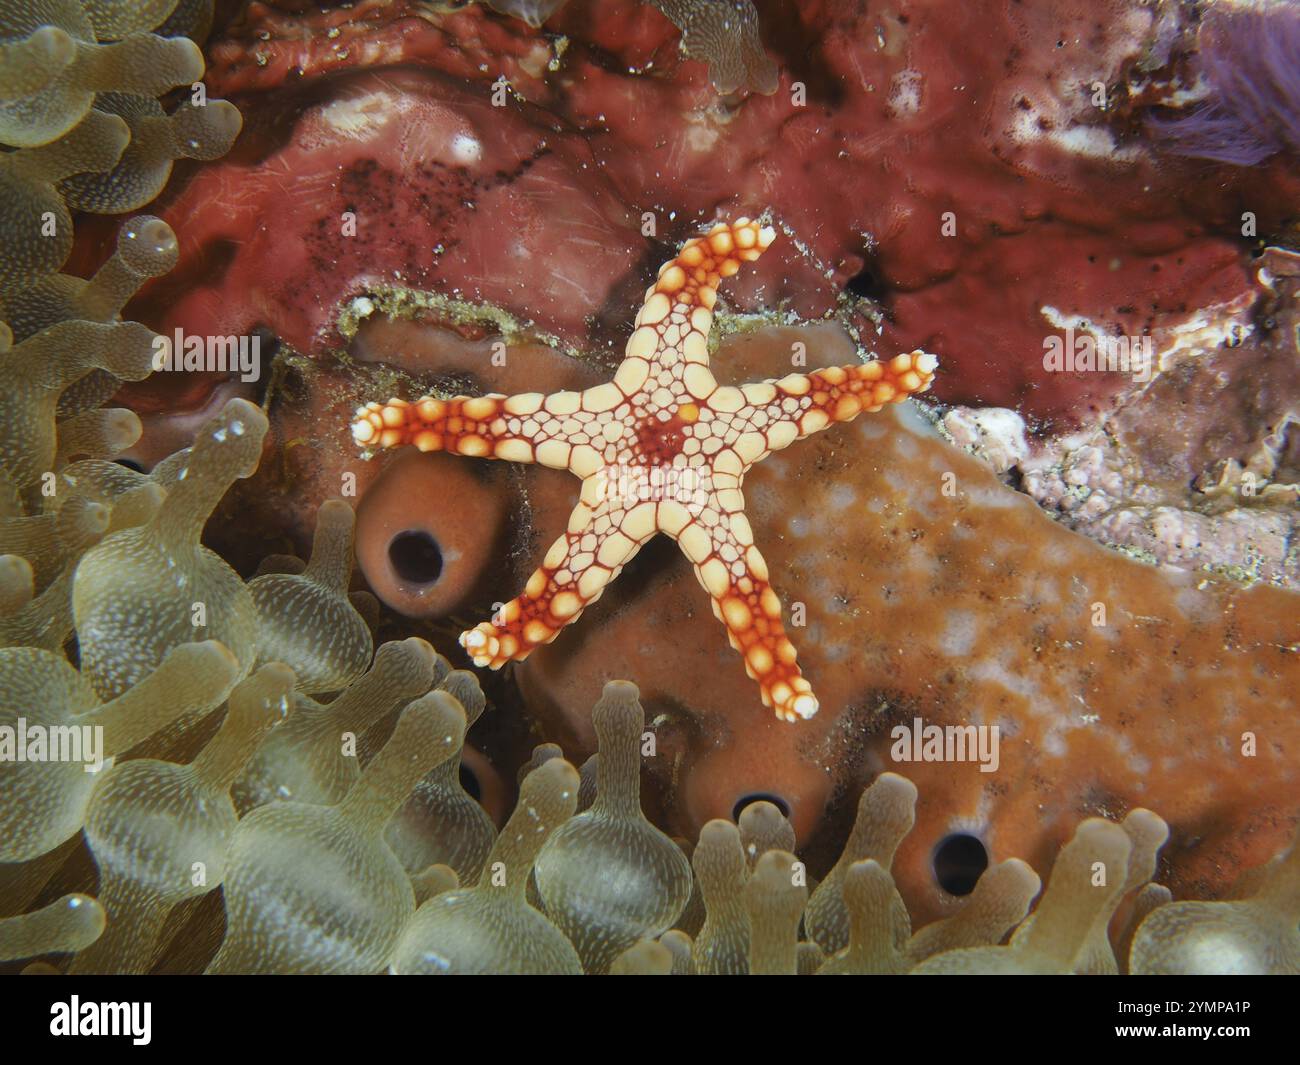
(805, 705)
(483, 647)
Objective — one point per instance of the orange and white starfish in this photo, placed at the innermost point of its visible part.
(663, 448)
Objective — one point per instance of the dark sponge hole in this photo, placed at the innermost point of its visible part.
(959, 861)
(470, 783)
(416, 557)
(868, 284)
(759, 796)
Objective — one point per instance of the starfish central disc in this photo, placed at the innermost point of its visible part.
(658, 443)
(662, 448)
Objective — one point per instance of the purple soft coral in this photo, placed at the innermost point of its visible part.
(1250, 57)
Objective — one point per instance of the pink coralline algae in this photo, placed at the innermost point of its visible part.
(981, 194)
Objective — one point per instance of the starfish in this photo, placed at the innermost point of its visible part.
(662, 448)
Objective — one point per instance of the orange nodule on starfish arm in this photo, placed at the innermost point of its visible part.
(732, 570)
(663, 413)
(675, 319)
(803, 404)
(692, 278)
(463, 425)
(529, 427)
(573, 575)
(842, 392)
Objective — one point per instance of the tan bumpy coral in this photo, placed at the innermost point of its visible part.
(721, 947)
(313, 887)
(886, 812)
(312, 757)
(44, 795)
(146, 247)
(609, 877)
(491, 928)
(441, 824)
(160, 832)
(157, 139)
(136, 62)
(38, 371)
(124, 599)
(308, 621)
(1256, 935)
(285, 907)
(67, 924)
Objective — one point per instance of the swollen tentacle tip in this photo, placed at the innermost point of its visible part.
(148, 246)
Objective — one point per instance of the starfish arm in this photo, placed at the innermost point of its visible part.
(734, 573)
(780, 412)
(599, 542)
(529, 427)
(674, 321)
(661, 448)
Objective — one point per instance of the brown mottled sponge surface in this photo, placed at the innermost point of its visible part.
(930, 589)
